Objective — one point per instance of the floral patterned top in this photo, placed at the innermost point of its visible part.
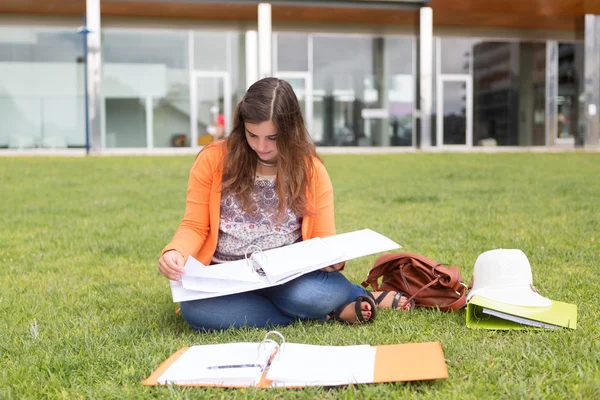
(239, 229)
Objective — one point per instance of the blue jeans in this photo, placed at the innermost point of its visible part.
(309, 297)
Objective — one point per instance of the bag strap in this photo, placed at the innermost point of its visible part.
(438, 270)
(373, 277)
(455, 305)
(453, 273)
(383, 262)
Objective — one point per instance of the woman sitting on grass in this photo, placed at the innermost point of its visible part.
(264, 185)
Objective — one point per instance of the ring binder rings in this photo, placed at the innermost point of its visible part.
(267, 340)
(254, 266)
(285, 364)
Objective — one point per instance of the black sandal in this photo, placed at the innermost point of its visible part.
(335, 314)
(396, 300)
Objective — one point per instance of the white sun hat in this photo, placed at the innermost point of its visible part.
(505, 275)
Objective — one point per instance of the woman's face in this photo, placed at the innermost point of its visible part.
(262, 138)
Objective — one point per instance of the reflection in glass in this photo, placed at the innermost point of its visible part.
(125, 122)
(210, 50)
(456, 55)
(509, 93)
(534, 82)
(220, 51)
(495, 93)
(292, 52)
(400, 81)
(299, 86)
(209, 108)
(455, 121)
(41, 88)
(146, 77)
(570, 88)
(363, 87)
(343, 67)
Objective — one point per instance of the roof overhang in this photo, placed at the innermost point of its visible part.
(380, 4)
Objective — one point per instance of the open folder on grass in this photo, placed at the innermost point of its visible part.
(268, 364)
(490, 314)
(261, 269)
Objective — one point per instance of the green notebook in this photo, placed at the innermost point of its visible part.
(490, 314)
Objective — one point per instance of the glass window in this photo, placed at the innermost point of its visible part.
(209, 105)
(292, 52)
(509, 80)
(456, 55)
(363, 90)
(570, 89)
(343, 87)
(455, 118)
(401, 90)
(212, 50)
(146, 78)
(221, 52)
(41, 87)
(146, 47)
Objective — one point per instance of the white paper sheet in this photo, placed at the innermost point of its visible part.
(360, 243)
(233, 270)
(285, 264)
(238, 364)
(311, 365)
(308, 255)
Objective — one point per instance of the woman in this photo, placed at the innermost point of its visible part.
(263, 185)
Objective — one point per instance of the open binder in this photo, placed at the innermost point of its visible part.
(261, 269)
(491, 314)
(270, 364)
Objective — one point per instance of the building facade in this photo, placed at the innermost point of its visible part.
(155, 74)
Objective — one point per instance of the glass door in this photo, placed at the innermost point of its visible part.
(454, 110)
(210, 102)
(301, 82)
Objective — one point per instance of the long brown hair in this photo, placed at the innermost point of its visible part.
(271, 99)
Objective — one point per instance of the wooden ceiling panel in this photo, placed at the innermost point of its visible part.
(521, 14)
(484, 20)
(344, 15)
(527, 7)
(181, 10)
(56, 7)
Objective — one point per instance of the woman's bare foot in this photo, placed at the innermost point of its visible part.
(348, 313)
(386, 299)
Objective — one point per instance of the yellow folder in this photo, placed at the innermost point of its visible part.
(392, 363)
(490, 314)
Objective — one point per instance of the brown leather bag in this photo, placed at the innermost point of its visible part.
(429, 283)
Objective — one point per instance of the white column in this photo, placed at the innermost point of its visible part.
(309, 89)
(592, 80)
(426, 67)
(264, 41)
(94, 74)
(193, 91)
(149, 122)
(251, 58)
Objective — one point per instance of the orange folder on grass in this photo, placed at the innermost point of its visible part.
(300, 365)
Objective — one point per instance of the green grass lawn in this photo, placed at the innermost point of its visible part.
(84, 312)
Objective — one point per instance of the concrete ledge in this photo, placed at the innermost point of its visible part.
(320, 150)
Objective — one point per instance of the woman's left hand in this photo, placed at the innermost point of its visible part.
(335, 267)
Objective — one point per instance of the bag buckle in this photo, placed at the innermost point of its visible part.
(465, 286)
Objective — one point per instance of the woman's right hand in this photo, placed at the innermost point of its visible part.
(171, 264)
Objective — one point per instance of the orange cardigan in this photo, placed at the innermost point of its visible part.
(198, 232)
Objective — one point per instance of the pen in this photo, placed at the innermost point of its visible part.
(234, 366)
